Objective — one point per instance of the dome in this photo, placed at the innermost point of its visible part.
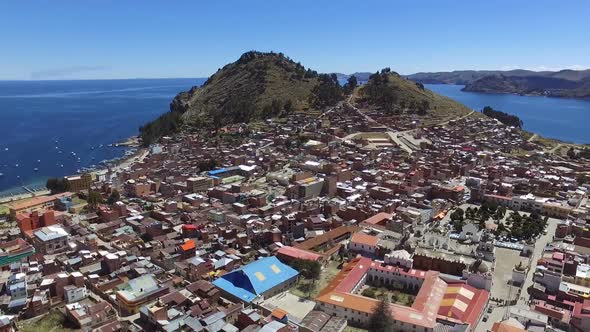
(519, 267)
(479, 266)
(483, 268)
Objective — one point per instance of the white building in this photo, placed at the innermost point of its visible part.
(74, 294)
(400, 258)
(518, 275)
(364, 244)
(51, 239)
(17, 285)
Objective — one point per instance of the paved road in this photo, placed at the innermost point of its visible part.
(539, 246)
(499, 313)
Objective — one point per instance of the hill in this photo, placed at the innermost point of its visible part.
(243, 90)
(262, 85)
(396, 94)
(551, 86)
(257, 85)
(563, 83)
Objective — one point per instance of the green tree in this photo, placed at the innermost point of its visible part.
(114, 197)
(289, 108)
(94, 198)
(207, 164)
(351, 84)
(458, 214)
(57, 185)
(328, 92)
(505, 118)
(500, 213)
(309, 269)
(381, 320)
(458, 225)
(571, 153)
(423, 107)
(166, 124)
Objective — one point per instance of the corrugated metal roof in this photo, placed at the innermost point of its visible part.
(255, 278)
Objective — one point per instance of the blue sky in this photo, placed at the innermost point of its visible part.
(131, 39)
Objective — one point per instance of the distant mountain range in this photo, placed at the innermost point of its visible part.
(564, 83)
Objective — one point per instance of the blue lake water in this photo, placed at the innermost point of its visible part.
(38, 119)
(560, 118)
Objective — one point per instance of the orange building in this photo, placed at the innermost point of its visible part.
(36, 203)
(28, 222)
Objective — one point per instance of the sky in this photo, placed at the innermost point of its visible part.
(157, 39)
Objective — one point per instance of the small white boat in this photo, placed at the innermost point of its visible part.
(36, 169)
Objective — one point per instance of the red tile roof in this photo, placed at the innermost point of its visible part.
(378, 219)
(21, 205)
(463, 303)
(504, 327)
(326, 237)
(298, 253)
(365, 239)
(455, 302)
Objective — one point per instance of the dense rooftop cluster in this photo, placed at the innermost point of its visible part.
(306, 223)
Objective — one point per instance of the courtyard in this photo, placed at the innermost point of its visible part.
(309, 288)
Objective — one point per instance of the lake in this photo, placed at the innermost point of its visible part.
(560, 118)
(44, 123)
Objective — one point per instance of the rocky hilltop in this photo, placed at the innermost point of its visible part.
(256, 85)
(395, 94)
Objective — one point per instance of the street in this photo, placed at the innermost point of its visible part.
(501, 313)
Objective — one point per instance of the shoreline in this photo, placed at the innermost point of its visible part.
(496, 92)
(137, 156)
(540, 136)
(11, 195)
(130, 142)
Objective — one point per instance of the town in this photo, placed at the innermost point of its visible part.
(317, 221)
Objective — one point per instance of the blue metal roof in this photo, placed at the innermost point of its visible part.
(217, 171)
(255, 278)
